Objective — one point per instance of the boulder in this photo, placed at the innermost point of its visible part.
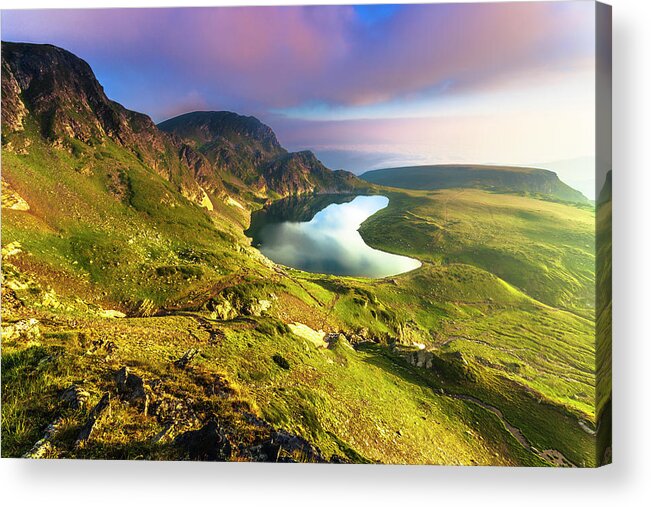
(222, 309)
(132, 388)
(75, 397)
(209, 443)
(257, 307)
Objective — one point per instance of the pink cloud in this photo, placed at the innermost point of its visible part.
(276, 57)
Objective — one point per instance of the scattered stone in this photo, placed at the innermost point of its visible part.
(209, 443)
(183, 361)
(94, 416)
(172, 411)
(75, 397)
(133, 389)
(107, 346)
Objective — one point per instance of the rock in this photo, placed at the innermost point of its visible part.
(183, 361)
(27, 330)
(111, 314)
(223, 310)
(133, 389)
(257, 307)
(101, 344)
(144, 308)
(421, 359)
(43, 447)
(332, 339)
(163, 434)
(94, 416)
(209, 443)
(75, 397)
(306, 332)
(284, 447)
(281, 361)
(12, 248)
(172, 411)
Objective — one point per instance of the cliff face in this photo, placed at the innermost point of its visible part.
(246, 148)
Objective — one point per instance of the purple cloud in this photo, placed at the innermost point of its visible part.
(258, 58)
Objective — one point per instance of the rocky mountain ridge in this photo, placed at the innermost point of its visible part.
(49, 93)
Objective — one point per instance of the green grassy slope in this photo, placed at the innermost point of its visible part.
(545, 249)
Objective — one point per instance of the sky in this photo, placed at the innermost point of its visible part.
(364, 87)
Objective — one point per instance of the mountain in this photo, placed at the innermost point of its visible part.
(496, 178)
(49, 93)
(52, 94)
(249, 150)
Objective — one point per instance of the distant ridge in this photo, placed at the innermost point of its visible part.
(497, 178)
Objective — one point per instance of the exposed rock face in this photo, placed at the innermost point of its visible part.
(248, 149)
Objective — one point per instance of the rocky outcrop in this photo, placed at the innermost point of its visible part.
(449, 364)
(75, 397)
(93, 418)
(133, 389)
(24, 330)
(209, 443)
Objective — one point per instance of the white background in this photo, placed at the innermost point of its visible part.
(624, 483)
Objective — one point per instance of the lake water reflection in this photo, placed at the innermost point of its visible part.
(328, 241)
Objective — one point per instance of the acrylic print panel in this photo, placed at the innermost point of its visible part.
(343, 234)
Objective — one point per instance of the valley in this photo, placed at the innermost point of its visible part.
(140, 322)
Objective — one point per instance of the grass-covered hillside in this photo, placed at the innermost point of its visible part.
(139, 323)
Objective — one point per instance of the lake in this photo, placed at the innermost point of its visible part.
(320, 234)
